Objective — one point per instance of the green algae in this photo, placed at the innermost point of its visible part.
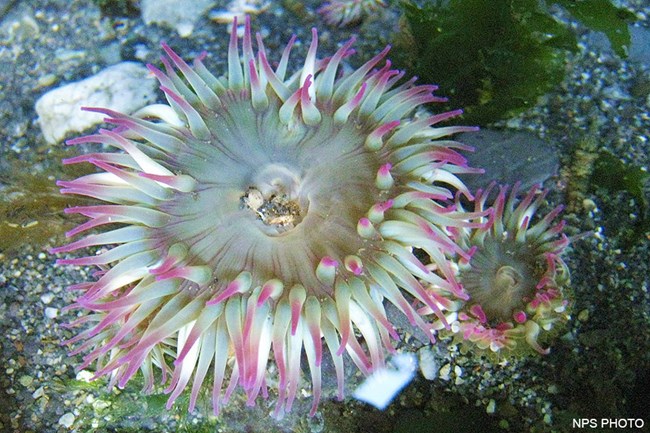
(615, 176)
(602, 16)
(495, 59)
(128, 410)
(31, 206)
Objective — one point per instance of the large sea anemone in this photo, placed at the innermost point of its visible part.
(515, 280)
(259, 217)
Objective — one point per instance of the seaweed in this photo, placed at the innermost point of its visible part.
(496, 58)
(128, 410)
(31, 206)
(615, 176)
(602, 16)
(577, 173)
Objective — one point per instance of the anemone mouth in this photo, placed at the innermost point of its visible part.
(502, 277)
(277, 212)
(274, 199)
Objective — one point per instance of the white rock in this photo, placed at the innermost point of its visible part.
(51, 313)
(429, 365)
(180, 15)
(46, 298)
(459, 373)
(67, 420)
(40, 392)
(85, 376)
(124, 87)
(444, 372)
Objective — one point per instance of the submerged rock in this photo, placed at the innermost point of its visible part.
(124, 87)
(508, 157)
(180, 15)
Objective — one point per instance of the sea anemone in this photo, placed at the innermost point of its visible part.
(343, 13)
(254, 217)
(515, 279)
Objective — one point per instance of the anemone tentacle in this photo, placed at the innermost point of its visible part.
(262, 216)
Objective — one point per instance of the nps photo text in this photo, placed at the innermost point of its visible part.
(611, 423)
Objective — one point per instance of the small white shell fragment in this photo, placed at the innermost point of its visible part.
(384, 384)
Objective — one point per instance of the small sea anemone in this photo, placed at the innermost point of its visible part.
(515, 279)
(256, 216)
(343, 13)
